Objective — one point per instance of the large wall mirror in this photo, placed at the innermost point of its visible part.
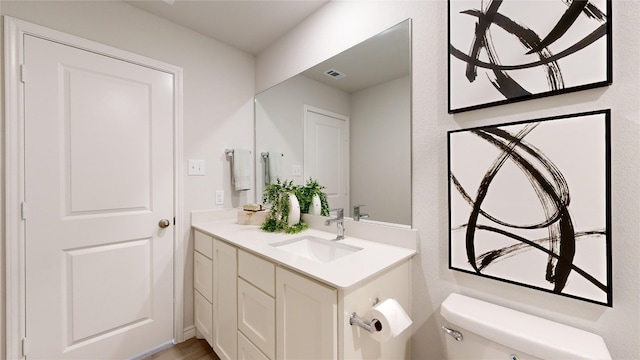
(347, 124)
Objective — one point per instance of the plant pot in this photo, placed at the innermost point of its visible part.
(294, 210)
(315, 208)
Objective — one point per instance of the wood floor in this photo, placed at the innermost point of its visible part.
(192, 349)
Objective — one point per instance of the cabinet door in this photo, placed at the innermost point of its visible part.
(203, 316)
(225, 306)
(307, 318)
(257, 317)
(202, 273)
(248, 351)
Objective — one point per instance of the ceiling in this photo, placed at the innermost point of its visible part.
(253, 25)
(249, 25)
(381, 58)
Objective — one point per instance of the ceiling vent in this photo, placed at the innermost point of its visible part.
(335, 74)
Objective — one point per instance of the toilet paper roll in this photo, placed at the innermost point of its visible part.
(392, 317)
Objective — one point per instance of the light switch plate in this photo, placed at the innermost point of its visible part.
(196, 167)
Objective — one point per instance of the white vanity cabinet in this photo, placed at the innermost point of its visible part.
(215, 275)
(249, 306)
(203, 284)
(307, 312)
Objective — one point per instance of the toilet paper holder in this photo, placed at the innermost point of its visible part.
(371, 326)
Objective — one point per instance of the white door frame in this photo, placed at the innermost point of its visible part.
(14, 191)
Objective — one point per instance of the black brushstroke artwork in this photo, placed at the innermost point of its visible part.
(553, 194)
(489, 21)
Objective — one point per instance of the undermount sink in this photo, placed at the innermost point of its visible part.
(316, 249)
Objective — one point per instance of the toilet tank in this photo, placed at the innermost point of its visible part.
(494, 332)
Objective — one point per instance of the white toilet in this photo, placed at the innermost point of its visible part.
(480, 330)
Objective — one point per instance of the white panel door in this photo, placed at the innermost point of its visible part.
(99, 178)
(326, 154)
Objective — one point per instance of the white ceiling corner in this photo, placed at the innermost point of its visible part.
(249, 25)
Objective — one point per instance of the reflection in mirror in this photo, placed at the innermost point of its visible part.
(346, 123)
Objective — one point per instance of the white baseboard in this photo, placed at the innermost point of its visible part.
(153, 351)
(189, 332)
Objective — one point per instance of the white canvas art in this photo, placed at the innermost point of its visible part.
(529, 204)
(502, 51)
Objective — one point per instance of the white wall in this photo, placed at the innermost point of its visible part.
(218, 107)
(339, 25)
(380, 153)
(218, 91)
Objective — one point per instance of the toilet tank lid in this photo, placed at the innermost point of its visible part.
(527, 333)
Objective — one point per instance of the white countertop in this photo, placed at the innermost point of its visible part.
(341, 273)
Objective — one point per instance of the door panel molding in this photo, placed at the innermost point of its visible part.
(331, 124)
(16, 210)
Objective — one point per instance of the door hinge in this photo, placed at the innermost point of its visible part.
(23, 210)
(25, 347)
(23, 73)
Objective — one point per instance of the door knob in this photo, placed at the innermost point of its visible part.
(164, 223)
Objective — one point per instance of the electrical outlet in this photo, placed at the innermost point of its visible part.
(296, 170)
(219, 197)
(196, 167)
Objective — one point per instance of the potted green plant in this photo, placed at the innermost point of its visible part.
(312, 199)
(284, 214)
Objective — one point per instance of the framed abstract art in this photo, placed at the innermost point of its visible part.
(502, 51)
(529, 204)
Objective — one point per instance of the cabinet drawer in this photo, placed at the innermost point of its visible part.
(257, 271)
(248, 351)
(203, 275)
(257, 317)
(203, 244)
(203, 316)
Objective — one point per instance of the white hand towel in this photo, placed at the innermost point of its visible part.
(275, 166)
(242, 169)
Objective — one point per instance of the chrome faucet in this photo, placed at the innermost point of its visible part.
(357, 215)
(339, 220)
